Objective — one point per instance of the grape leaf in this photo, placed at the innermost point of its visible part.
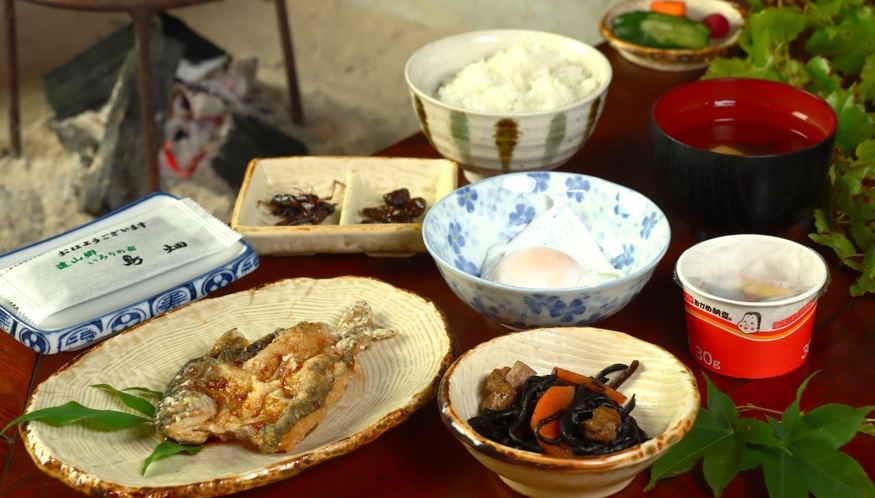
(855, 201)
(866, 87)
(824, 80)
(866, 282)
(839, 37)
(770, 30)
(836, 240)
(822, 11)
(167, 448)
(866, 151)
(854, 124)
(722, 67)
(849, 43)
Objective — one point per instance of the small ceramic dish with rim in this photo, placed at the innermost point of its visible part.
(92, 321)
(351, 184)
(666, 404)
(663, 59)
(394, 377)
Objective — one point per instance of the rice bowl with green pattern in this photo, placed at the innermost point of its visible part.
(491, 142)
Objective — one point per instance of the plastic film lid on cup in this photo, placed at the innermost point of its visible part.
(756, 271)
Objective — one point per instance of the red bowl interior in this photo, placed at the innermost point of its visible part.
(766, 116)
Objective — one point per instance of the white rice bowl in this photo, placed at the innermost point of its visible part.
(545, 70)
(523, 78)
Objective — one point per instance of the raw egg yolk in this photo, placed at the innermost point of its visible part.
(538, 267)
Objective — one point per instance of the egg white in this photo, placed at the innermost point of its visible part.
(560, 229)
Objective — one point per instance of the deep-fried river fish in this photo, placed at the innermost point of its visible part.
(271, 392)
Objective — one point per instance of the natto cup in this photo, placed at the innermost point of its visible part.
(742, 336)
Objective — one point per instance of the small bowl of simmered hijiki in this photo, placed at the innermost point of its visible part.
(672, 35)
(546, 249)
(572, 411)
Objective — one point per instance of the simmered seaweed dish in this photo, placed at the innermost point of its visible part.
(398, 207)
(560, 414)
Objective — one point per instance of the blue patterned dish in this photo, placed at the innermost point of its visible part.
(100, 318)
(461, 227)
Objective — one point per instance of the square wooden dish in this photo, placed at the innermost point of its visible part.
(362, 183)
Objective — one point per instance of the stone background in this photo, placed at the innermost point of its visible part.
(350, 56)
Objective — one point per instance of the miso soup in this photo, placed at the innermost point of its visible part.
(747, 139)
(743, 128)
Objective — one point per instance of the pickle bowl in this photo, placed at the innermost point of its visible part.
(675, 60)
(666, 404)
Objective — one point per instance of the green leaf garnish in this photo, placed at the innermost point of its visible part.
(145, 390)
(72, 411)
(799, 454)
(168, 448)
(131, 401)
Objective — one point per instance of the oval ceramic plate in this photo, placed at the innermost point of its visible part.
(395, 377)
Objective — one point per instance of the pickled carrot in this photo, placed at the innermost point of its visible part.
(589, 383)
(672, 8)
(553, 400)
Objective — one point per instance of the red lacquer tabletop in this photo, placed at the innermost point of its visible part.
(420, 457)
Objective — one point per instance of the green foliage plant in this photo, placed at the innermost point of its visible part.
(799, 453)
(828, 48)
(72, 412)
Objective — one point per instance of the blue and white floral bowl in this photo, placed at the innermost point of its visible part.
(461, 227)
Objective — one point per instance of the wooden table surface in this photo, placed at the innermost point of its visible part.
(420, 457)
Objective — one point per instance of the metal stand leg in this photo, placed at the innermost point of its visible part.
(291, 75)
(147, 96)
(12, 77)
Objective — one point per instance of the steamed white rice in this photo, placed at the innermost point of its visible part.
(523, 78)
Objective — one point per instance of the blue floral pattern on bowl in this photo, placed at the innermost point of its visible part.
(460, 228)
